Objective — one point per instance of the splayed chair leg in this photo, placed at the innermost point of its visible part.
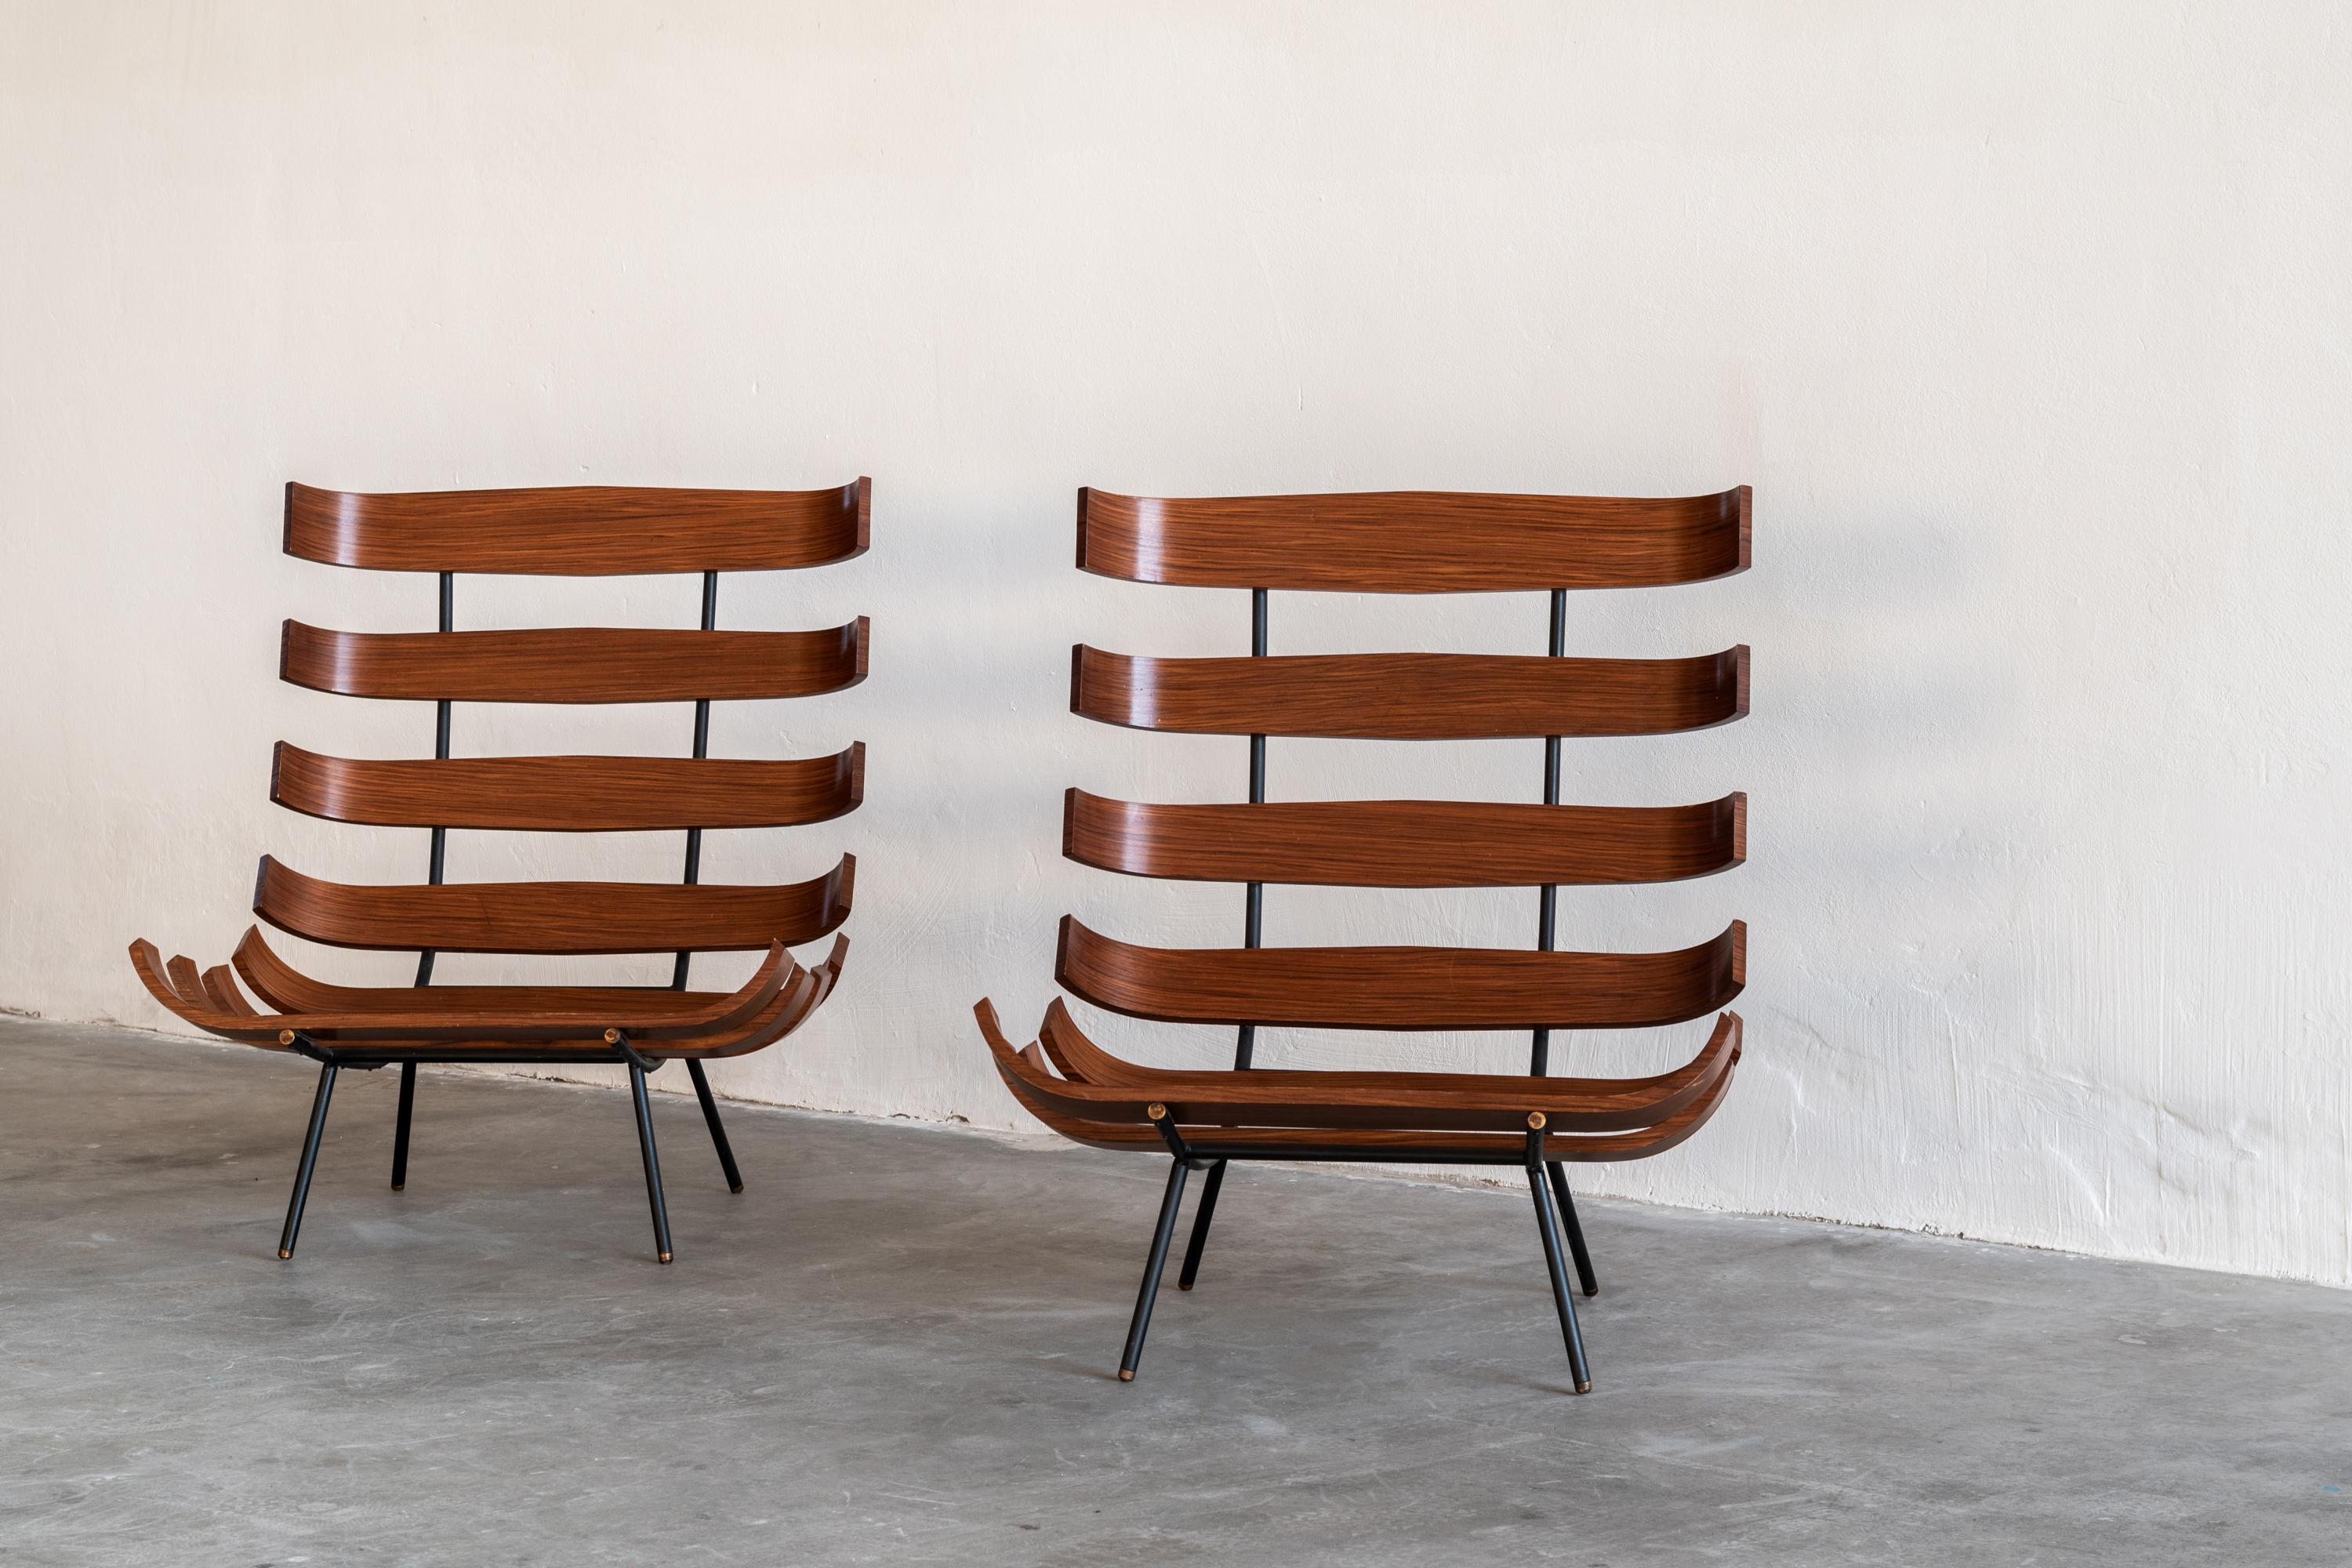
(400, 1127)
(653, 1161)
(310, 1158)
(1161, 1235)
(717, 1129)
(1202, 1216)
(1547, 1224)
(1584, 1275)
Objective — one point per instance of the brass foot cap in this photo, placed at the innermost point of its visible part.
(400, 1186)
(1583, 1388)
(283, 1253)
(664, 1257)
(1125, 1375)
(1594, 1291)
(735, 1188)
(1181, 1286)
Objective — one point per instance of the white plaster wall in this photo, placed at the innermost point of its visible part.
(2027, 322)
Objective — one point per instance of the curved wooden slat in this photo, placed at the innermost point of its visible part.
(569, 795)
(1391, 1102)
(1410, 695)
(579, 530)
(553, 917)
(574, 664)
(1414, 542)
(777, 997)
(1272, 1142)
(1404, 987)
(1405, 843)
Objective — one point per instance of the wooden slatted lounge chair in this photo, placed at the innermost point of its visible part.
(572, 531)
(1395, 544)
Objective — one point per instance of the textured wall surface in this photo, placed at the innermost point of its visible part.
(2028, 322)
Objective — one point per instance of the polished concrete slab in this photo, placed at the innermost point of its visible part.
(897, 1347)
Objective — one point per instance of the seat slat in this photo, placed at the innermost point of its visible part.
(1410, 695)
(1404, 987)
(1414, 542)
(553, 917)
(579, 530)
(1405, 843)
(574, 664)
(561, 794)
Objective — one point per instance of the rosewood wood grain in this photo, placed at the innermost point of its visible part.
(1402, 987)
(652, 1013)
(1119, 1121)
(518, 1013)
(579, 530)
(1410, 695)
(1414, 542)
(1405, 843)
(579, 664)
(769, 1006)
(1460, 1102)
(569, 795)
(553, 917)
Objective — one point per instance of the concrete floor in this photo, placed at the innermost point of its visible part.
(897, 1348)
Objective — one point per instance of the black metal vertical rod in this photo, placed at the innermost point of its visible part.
(309, 1161)
(435, 866)
(653, 1161)
(1253, 925)
(1547, 1226)
(1161, 1235)
(400, 1127)
(1547, 916)
(440, 752)
(702, 749)
(1548, 895)
(693, 874)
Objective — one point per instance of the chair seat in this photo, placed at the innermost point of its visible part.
(1115, 1103)
(461, 1021)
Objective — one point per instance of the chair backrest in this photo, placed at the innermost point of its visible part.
(1409, 542)
(572, 531)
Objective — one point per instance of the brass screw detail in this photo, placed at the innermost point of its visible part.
(1534, 1120)
(612, 1036)
(1157, 1111)
(285, 1036)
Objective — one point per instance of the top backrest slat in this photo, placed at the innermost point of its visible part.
(1414, 542)
(580, 531)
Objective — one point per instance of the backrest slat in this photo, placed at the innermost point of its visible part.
(578, 531)
(1404, 987)
(553, 917)
(576, 664)
(1414, 542)
(1405, 843)
(561, 794)
(1410, 695)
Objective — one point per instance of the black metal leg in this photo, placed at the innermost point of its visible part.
(717, 1129)
(1160, 1237)
(310, 1158)
(1549, 1226)
(653, 1161)
(1584, 1275)
(1201, 1219)
(400, 1128)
